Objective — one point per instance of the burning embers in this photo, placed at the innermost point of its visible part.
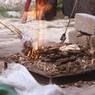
(55, 60)
(31, 52)
(59, 60)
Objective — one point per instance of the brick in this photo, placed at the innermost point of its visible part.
(72, 38)
(85, 23)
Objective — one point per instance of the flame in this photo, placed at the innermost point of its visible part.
(32, 13)
(36, 47)
(33, 53)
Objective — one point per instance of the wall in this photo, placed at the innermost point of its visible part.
(84, 6)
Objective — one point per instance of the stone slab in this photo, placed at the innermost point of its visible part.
(74, 37)
(85, 23)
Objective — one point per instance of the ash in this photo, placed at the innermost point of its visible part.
(58, 61)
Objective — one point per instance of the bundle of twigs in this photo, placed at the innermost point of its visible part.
(12, 28)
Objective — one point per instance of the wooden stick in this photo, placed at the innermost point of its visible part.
(15, 30)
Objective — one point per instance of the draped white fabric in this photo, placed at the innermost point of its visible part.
(24, 83)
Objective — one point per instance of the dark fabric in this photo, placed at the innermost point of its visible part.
(51, 14)
(67, 7)
(86, 6)
(48, 15)
(53, 2)
(27, 5)
(83, 6)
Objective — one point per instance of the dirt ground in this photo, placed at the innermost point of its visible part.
(49, 31)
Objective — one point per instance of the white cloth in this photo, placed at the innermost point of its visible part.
(24, 83)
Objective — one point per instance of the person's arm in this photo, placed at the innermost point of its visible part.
(26, 9)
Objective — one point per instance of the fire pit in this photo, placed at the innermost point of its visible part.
(55, 62)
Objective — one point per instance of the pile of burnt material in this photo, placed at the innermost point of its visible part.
(61, 62)
(76, 55)
(58, 61)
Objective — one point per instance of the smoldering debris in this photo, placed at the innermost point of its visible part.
(53, 61)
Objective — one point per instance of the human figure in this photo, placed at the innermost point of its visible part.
(44, 9)
(26, 9)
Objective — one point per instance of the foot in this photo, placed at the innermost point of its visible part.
(24, 17)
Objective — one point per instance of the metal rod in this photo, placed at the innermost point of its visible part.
(74, 8)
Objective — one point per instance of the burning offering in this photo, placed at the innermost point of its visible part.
(56, 61)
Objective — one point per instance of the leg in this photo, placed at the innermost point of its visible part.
(40, 14)
(26, 9)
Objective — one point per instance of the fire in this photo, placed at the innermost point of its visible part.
(32, 13)
(35, 50)
(32, 52)
(37, 43)
(35, 54)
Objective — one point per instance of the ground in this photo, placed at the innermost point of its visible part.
(49, 31)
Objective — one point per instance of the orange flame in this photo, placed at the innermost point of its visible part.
(32, 13)
(33, 53)
(36, 47)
